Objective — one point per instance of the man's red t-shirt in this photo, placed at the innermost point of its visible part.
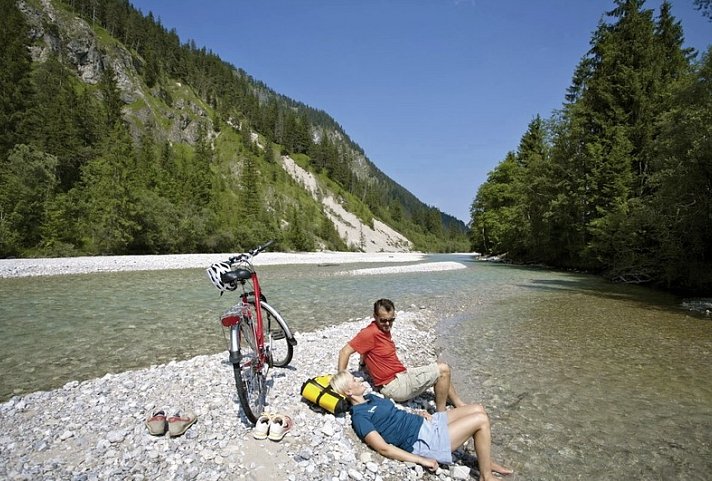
(379, 353)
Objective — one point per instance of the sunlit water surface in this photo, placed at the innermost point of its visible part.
(582, 379)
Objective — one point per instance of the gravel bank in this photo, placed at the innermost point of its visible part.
(83, 265)
(94, 430)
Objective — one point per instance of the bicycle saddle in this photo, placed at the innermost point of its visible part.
(236, 275)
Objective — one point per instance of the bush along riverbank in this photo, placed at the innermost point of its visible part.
(94, 430)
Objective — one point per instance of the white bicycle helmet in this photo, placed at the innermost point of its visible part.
(215, 272)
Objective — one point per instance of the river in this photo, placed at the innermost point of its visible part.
(582, 379)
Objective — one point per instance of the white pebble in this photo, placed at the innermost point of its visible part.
(353, 474)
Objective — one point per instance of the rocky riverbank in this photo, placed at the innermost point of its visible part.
(94, 430)
(89, 264)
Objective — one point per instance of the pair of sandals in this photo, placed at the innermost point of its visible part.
(158, 424)
(272, 426)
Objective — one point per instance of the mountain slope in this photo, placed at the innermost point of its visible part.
(105, 76)
(366, 238)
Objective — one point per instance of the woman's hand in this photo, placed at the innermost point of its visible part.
(430, 464)
(425, 414)
(375, 441)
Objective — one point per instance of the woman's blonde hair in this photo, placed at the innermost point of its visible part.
(340, 382)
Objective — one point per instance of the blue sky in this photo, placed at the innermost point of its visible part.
(435, 91)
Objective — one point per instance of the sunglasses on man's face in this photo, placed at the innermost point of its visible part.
(387, 321)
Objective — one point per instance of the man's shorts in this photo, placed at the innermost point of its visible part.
(434, 439)
(411, 383)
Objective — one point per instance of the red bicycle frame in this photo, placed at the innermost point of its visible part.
(259, 334)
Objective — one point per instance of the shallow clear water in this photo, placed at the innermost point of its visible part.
(582, 379)
(59, 328)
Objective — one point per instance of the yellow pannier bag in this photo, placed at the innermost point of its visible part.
(318, 392)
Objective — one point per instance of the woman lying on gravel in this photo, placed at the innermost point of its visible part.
(426, 440)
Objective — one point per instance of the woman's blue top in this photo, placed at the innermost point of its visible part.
(396, 426)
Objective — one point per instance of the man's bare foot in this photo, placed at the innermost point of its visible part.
(499, 469)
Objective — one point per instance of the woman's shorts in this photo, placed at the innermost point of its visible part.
(434, 439)
(411, 383)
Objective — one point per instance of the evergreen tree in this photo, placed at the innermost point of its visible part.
(108, 183)
(53, 123)
(612, 128)
(298, 235)
(27, 183)
(594, 199)
(434, 223)
(15, 69)
(147, 161)
(494, 210)
(200, 178)
(111, 95)
(681, 207)
(673, 59)
(61, 230)
(152, 68)
(167, 172)
(250, 191)
(534, 191)
(705, 6)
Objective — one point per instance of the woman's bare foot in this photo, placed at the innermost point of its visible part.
(499, 469)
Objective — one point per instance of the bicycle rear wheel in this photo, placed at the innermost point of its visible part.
(275, 334)
(250, 378)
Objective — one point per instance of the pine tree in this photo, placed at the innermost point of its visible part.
(534, 191)
(681, 205)
(53, 124)
(200, 176)
(111, 95)
(705, 6)
(15, 70)
(610, 127)
(28, 182)
(494, 210)
(108, 185)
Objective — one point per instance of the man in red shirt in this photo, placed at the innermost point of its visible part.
(390, 376)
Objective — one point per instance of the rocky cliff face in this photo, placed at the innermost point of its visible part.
(357, 235)
(70, 38)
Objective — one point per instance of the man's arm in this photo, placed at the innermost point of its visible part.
(344, 356)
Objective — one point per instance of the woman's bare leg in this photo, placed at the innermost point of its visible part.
(468, 409)
(472, 421)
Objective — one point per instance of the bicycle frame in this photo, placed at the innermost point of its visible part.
(259, 331)
(259, 337)
(233, 321)
(259, 326)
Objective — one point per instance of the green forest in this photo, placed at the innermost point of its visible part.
(87, 169)
(619, 181)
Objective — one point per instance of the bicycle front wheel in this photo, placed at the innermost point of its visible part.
(250, 378)
(276, 336)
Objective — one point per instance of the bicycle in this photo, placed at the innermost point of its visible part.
(259, 338)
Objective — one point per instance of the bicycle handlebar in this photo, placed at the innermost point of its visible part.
(247, 255)
(264, 246)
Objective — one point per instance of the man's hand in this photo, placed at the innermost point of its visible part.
(344, 356)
